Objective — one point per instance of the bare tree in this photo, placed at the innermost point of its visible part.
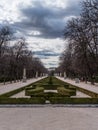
(82, 35)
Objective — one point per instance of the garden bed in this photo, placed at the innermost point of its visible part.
(42, 94)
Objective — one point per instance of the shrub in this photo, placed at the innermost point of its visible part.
(35, 100)
(63, 100)
(11, 93)
(30, 87)
(67, 92)
(72, 88)
(88, 92)
(30, 92)
(66, 86)
(50, 86)
(48, 95)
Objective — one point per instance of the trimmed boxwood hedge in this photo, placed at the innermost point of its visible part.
(63, 100)
(67, 92)
(54, 98)
(33, 86)
(48, 95)
(88, 92)
(37, 90)
(11, 93)
(34, 100)
(50, 86)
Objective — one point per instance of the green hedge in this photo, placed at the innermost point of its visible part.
(50, 86)
(67, 92)
(63, 100)
(11, 93)
(34, 100)
(53, 100)
(90, 93)
(48, 95)
(37, 90)
(33, 86)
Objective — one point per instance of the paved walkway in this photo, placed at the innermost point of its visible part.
(49, 118)
(93, 88)
(9, 87)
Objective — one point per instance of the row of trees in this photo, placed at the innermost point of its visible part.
(80, 57)
(15, 55)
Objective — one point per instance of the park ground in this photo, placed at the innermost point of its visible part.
(49, 118)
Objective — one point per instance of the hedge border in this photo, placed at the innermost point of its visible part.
(60, 100)
(32, 91)
(66, 91)
(34, 100)
(13, 92)
(4, 98)
(85, 91)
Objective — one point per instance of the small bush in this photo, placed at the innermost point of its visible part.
(30, 92)
(72, 88)
(67, 92)
(66, 86)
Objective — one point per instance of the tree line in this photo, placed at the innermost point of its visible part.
(15, 56)
(80, 56)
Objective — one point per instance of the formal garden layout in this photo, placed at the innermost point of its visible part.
(49, 90)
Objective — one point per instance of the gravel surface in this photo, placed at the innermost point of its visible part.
(49, 118)
(93, 88)
(9, 87)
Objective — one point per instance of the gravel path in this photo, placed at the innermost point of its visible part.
(49, 118)
(90, 87)
(9, 87)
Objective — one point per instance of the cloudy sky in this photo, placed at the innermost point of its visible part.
(41, 22)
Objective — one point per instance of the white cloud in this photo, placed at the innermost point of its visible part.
(52, 44)
(10, 11)
(55, 45)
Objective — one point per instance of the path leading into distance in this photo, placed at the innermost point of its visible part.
(88, 86)
(9, 87)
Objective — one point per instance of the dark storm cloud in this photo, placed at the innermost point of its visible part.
(48, 21)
